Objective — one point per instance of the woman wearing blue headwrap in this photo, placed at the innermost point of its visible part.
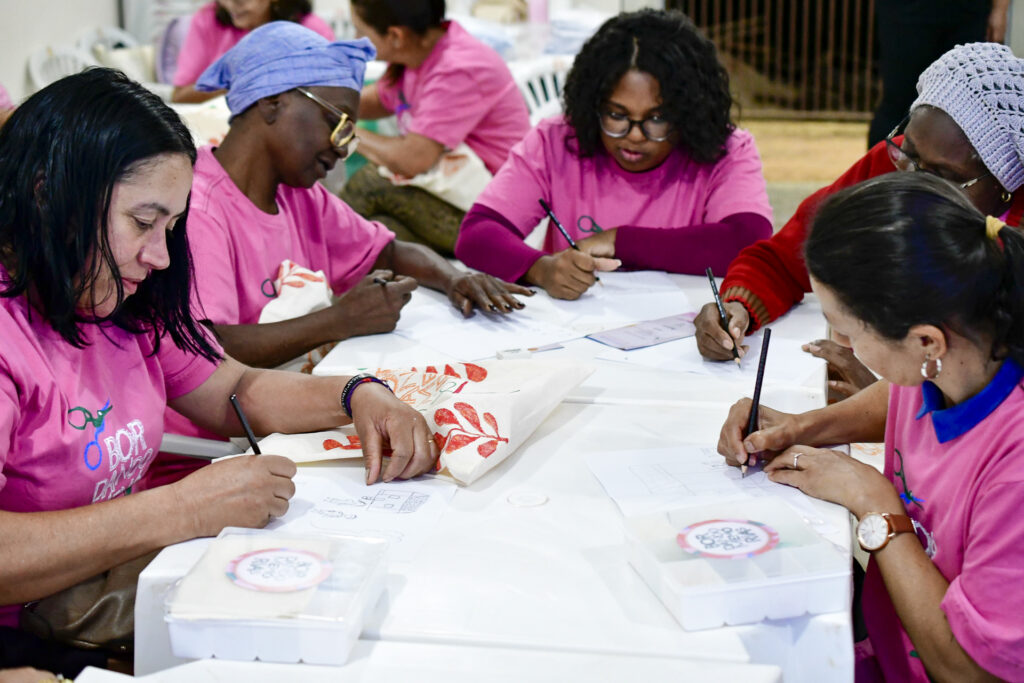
(256, 201)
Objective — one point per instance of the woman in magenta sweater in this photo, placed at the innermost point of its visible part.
(645, 169)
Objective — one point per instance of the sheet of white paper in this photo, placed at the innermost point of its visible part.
(336, 501)
(429, 319)
(642, 482)
(787, 364)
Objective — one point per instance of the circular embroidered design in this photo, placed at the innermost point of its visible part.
(727, 538)
(278, 570)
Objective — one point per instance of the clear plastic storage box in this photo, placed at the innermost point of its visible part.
(737, 562)
(276, 597)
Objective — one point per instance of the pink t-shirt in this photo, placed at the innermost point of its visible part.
(208, 39)
(462, 92)
(960, 472)
(678, 193)
(5, 99)
(79, 426)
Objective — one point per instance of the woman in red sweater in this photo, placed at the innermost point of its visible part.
(965, 127)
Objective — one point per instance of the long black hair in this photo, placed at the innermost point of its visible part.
(907, 249)
(280, 10)
(61, 154)
(417, 15)
(694, 84)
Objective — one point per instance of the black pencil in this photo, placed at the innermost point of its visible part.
(561, 228)
(245, 424)
(723, 319)
(752, 420)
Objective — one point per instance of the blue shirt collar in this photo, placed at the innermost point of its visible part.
(952, 422)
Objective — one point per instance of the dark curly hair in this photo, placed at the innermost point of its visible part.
(280, 10)
(694, 85)
(61, 154)
(417, 15)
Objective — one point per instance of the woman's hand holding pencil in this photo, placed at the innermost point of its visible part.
(775, 432)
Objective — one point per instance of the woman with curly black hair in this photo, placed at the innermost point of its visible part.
(218, 26)
(646, 149)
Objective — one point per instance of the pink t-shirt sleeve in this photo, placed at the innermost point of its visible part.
(521, 181)
(184, 371)
(10, 410)
(214, 266)
(737, 183)
(353, 243)
(983, 604)
(200, 47)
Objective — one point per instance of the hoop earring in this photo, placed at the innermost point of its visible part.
(924, 368)
(1006, 197)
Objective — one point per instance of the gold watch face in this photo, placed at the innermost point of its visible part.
(872, 531)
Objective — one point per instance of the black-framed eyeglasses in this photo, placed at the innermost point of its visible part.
(343, 137)
(904, 162)
(616, 125)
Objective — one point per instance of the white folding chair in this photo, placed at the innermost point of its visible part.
(541, 80)
(50, 64)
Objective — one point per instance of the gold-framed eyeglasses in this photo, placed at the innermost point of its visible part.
(618, 125)
(904, 162)
(343, 137)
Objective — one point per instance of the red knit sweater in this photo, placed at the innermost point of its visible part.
(774, 270)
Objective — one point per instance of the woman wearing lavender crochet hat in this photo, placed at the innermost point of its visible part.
(967, 126)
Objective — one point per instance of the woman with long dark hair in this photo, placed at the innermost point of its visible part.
(99, 338)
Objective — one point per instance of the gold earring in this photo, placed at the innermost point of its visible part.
(1006, 197)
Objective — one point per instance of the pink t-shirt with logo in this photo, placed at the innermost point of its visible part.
(79, 426)
(462, 92)
(207, 39)
(960, 472)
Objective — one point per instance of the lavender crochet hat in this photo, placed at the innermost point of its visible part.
(981, 87)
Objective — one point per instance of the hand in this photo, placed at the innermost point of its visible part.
(712, 341)
(381, 420)
(371, 307)
(25, 674)
(487, 293)
(776, 431)
(245, 491)
(835, 477)
(847, 375)
(568, 274)
(4, 115)
(601, 244)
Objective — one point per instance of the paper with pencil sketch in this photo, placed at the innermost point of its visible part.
(641, 482)
(621, 299)
(648, 332)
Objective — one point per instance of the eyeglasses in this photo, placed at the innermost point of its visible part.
(616, 125)
(343, 137)
(904, 162)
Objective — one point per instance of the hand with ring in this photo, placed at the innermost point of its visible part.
(833, 476)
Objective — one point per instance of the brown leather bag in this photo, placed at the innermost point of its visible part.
(96, 614)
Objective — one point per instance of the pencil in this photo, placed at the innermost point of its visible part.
(723, 319)
(561, 228)
(245, 424)
(378, 280)
(752, 420)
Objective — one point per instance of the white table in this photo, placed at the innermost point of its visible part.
(554, 578)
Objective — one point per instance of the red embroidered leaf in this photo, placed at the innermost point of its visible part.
(431, 368)
(353, 444)
(439, 441)
(469, 413)
(450, 371)
(443, 416)
(475, 373)
(489, 419)
(457, 441)
(487, 448)
(331, 443)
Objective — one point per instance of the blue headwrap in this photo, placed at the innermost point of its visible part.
(283, 55)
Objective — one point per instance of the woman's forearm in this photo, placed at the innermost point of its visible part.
(858, 418)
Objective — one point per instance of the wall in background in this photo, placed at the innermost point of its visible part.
(27, 26)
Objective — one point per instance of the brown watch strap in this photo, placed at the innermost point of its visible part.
(899, 524)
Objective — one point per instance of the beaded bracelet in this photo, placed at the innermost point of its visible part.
(350, 387)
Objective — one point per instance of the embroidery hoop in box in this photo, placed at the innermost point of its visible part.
(764, 539)
(242, 573)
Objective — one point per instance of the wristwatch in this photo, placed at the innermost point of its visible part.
(875, 529)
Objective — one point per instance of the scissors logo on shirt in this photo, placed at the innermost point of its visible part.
(587, 223)
(98, 423)
(402, 112)
(907, 496)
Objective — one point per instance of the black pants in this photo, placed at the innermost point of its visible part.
(911, 35)
(19, 648)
